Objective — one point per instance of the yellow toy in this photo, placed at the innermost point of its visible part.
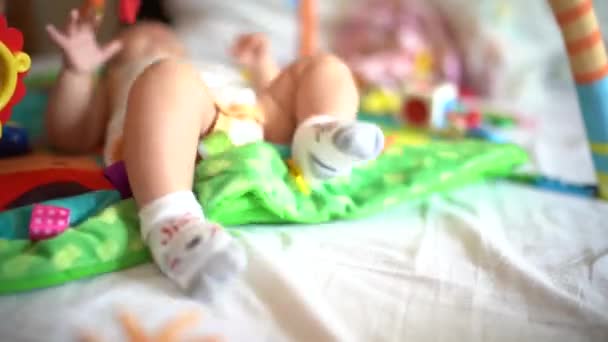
(379, 101)
(14, 63)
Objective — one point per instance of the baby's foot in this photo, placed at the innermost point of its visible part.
(361, 140)
(324, 147)
(198, 255)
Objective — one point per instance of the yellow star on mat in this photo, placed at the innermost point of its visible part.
(17, 266)
(218, 166)
(171, 332)
(66, 256)
(4, 244)
(107, 250)
(109, 216)
(296, 173)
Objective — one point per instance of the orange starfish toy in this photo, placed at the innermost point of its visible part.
(171, 332)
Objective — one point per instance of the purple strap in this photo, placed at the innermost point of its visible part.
(117, 175)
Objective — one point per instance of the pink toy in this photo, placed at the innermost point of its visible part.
(389, 42)
(48, 221)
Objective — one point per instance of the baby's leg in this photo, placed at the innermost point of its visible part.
(168, 109)
(313, 104)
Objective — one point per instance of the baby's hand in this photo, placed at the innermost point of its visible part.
(252, 51)
(81, 52)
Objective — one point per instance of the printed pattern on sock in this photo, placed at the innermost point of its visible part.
(198, 255)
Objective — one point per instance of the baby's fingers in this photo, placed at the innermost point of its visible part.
(56, 36)
(89, 337)
(111, 49)
(255, 40)
(239, 45)
(72, 24)
(243, 57)
(246, 42)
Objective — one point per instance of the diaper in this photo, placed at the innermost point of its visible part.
(237, 111)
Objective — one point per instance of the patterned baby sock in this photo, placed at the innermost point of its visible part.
(324, 147)
(198, 255)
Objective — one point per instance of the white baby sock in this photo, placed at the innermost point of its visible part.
(324, 147)
(198, 255)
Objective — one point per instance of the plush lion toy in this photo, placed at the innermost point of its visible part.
(14, 65)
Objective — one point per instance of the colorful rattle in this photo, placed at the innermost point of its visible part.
(95, 8)
(14, 65)
(589, 64)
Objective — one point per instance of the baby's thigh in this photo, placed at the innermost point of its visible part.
(311, 86)
(279, 103)
(170, 94)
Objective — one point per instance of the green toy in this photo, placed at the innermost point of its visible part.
(499, 120)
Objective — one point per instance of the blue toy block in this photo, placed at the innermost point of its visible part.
(14, 141)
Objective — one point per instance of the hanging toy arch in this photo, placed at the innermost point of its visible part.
(589, 65)
(308, 27)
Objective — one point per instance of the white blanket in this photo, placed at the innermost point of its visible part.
(488, 263)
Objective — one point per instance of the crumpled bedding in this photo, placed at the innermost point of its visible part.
(493, 262)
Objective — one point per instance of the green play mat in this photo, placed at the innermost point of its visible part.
(251, 184)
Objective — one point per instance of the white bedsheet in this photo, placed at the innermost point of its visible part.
(492, 262)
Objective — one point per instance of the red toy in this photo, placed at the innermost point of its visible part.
(473, 119)
(27, 187)
(427, 106)
(128, 10)
(48, 221)
(466, 120)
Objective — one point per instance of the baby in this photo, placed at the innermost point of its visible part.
(151, 106)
